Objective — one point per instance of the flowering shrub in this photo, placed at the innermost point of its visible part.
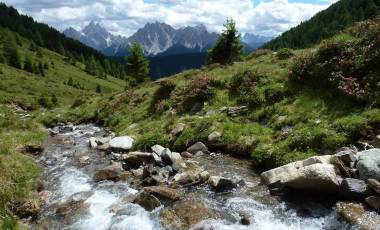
(159, 103)
(198, 90)
(349, 67)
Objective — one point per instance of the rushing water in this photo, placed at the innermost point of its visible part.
(104, 204)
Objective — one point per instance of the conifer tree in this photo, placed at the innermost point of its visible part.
(137, 64)
(228, 48)
(28, 64)
(11, 52)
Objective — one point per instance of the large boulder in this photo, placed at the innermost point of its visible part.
(164, 192)
(354, 188)
(369, 164)
(355, 214)
(221, 184)
(158, 149)
(199, 146)
(173, 158)
(186, 213)
(147, 201)
(136, 159)
(121, 143)
(315, 174)
(113, 172)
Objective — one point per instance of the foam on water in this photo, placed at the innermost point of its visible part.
(73, 181)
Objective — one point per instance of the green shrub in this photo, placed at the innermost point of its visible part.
(351, 125)
(44, 102)
(258, 53)
(159, 101)
(199, 90)
(284, 54)
(244, 86)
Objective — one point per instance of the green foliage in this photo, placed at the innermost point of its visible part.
(137, 64)
(28, 64)
(284, 53)
(98, 89)
(54, 100)
(159, 101)
(348, 67)
(326, 24)
(44, 102)
(197, 91)
(228, 48)
(244, 86)
(258, 53)
(11, 52)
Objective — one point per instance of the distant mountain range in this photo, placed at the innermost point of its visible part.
(157, 39)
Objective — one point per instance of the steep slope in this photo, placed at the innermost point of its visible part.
(326, 24)
(47, 37)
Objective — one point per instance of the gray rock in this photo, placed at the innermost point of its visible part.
(214, 136)
(369, 164)
(199, 146)
(165, 192)
(346, 156)
(374, 185)
(92, 142)
(112, 172)
(121, 143)
(221, 184)
(204, 176)
(84, 160)
(373, 202)
(314, 174)
(178, 129)
(147, 201)
(236, 111)
(157, 159)
(158, 149)
(186, 155)
(172, 158)
(355, 214)
(354, 188)
(136, 159)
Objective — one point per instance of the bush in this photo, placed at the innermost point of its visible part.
(244, 86)
(199, 90)
(159, 102)
(258, 53)
(284, 54)
(44, 102)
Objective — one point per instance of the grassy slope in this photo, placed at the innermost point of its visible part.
(320, 121)
(18, 173)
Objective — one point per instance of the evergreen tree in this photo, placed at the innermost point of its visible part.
(137, 64)
(228, 48)
(28, 64)
(91, 66)
(11, 53)
(98, 89)
(41, 69)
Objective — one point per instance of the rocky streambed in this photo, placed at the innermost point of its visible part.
(91, 181)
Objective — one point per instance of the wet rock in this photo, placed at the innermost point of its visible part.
(186, 155)
(314, 174)
(221, 184)
(69, 207)
(30, 208)
(84, 160)
(186, 178)
(44, 197)
(373, 202)
(92, 142)
(355, 214)
(104, 147)
(135, 159)
(164, 192)
(347, 157)
(33, 149)
(173, 158)
(374, 185)
(112, 172)
(158, 149)
(245, 220)
(178, 129)
(121, 143)
(186, 213)
(147, 201)
(157, 159)
(199, 146)
(214, 136)
(354, 188)
(236, 111)
(204, 176)
(138, 172)
(369, 164)
(66, 128)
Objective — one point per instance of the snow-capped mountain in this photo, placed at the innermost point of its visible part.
(255, 41)
(96, 36)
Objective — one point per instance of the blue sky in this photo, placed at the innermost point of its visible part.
(124, 17)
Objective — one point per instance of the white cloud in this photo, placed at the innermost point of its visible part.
(126, 16)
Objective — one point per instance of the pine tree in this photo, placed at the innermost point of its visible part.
(137, 64)
(91, 66)
(228, 47)
(11, 53)
(98, 89)
(28, 64)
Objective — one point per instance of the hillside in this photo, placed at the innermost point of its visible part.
(263, 108)
(26, 93)
(326, 23)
